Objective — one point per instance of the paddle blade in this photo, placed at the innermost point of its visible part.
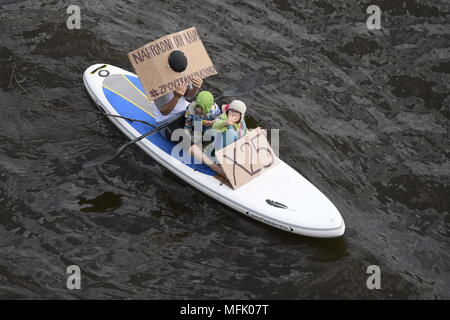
(106, 158)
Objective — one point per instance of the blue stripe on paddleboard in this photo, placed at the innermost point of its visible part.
(127, 109)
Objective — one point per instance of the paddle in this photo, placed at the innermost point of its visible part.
(244, 85)
(103, 159)
(126, 118)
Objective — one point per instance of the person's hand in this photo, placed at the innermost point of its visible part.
(180, 91)
(197, 82)
(234, 118)
(208, 123)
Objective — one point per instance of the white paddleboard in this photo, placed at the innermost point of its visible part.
(279, 197)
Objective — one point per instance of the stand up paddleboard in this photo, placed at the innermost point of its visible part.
(279, 197)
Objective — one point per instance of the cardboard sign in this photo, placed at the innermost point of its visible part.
(247, 158)
(150, 62)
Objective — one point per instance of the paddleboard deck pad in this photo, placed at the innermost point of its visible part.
(279, 197)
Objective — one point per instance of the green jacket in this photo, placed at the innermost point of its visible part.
(240, 127)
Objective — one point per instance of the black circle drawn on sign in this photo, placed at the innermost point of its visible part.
(103, 73)
(178, 61)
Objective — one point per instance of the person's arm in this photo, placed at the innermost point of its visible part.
(220, 124)
(167, 108)
(214, 116)
(194, 89)
(208, 123)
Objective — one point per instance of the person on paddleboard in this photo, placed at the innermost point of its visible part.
(231, 124)
(202, 112)
(229, 128)
(174, 104)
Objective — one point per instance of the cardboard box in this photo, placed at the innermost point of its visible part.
(247, 158)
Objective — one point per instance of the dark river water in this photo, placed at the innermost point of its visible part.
(363, 114)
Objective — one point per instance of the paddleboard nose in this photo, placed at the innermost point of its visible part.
(99, 69)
